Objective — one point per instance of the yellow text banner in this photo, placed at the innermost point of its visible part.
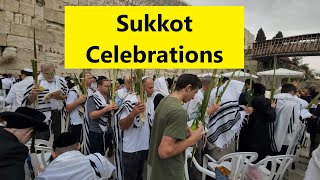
(154, 37)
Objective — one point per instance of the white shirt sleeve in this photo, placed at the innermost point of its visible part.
(10, 96)
(124, 114)
(72, 97)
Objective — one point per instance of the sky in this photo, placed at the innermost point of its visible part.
(292, 17)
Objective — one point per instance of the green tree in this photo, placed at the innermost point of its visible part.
(296, 63)
(278, 35)
(260, 36)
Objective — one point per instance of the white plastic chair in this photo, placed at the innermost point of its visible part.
(39, 142)
(188, 155)
(42, 158)
(235, 162)
(297, 135)
(279, 165)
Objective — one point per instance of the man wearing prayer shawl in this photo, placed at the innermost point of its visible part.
(132, 134)
(160, 91)
(70, 163)
(75, 105)
(226, 121)
(288, 111)
(313, 170)
(97, 132)
(17, 91)
(51, 108)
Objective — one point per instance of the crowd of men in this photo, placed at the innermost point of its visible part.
(153, 132)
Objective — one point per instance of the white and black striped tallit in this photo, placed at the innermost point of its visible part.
(226, 122)
(44, 107)
(100, 103)
(127, 105)
(66, 115)
(102, 167)
(288, 113)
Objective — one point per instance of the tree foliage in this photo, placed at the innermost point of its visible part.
(278, 35)
(296, 63)
(260, 36)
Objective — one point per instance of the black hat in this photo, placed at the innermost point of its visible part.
(120, 81)
(25, 117)
(64, 140)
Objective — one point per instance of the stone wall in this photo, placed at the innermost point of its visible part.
(19, 18)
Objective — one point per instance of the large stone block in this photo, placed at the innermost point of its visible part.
(58, 5)
(19, 30)
(3, 39)
(9, 16)
(26, 8)
(60, 17)
(48, 4)
(9, 54)
(58, 36)
(11, 5)
(29, 1)
(2, 16)
(57, 48)
(25, 55)
(83, 2)
(50, 15)
(44, 36)
(39, 11)
(73, 2)
(55, 27)
(5, 27)
(18, 18)
(38, 23)
(1, 4)
(20, 42)
(26, 20)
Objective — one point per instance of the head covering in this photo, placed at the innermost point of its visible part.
(64, 140)
(120, 81)
(25, 117)
(27, 70)
(161, 86)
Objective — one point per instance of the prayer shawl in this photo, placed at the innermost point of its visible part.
(288, 112)
(313, 170)
(74, 165)
(127, 105)
(100, 103)
(304, 104)
(226, 122)
(150, 110)
(66, 115)
(44, 107)
(160, 87)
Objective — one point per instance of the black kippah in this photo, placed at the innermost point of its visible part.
(64, 140)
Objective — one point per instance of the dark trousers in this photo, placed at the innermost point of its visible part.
(55, 126)
(133, 164)
(99, 142)
(76, 130)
